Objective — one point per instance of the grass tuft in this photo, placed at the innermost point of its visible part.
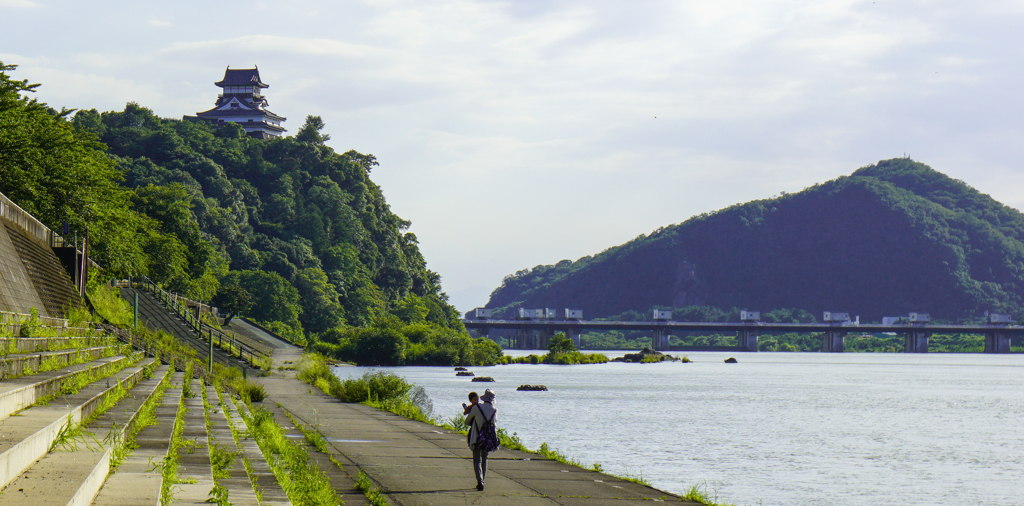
(373, 494)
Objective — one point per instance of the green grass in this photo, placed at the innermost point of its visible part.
(145, 418)
(301, 478)
(373, 494)
(72, 385)
(312, 437)
(169, 471)
(700, 494)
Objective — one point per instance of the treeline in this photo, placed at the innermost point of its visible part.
(285, 231)
(892, 238)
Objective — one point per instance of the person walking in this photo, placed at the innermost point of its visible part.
(479, 414)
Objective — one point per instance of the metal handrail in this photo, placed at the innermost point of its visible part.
(245, 352)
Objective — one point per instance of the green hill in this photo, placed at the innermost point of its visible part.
(891, 238)
(286, 230)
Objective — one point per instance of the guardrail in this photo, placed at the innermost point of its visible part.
(245, 350)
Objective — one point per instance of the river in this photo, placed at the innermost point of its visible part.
(776, 428)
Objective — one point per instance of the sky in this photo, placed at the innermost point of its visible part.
(520, 133)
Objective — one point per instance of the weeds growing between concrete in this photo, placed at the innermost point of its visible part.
(301, 478)
(373, 494)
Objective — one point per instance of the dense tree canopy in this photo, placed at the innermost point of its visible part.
(287, 231)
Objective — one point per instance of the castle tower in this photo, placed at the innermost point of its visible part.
(241, 101)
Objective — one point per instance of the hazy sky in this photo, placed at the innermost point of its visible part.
(521, 133)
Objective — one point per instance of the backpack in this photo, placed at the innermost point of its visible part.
(487, 437)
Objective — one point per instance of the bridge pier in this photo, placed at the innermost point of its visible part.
(997, 342)
(524, 339)
(660, 339)
(574, 336)
(833, 341)
(916, 341)
(544, 338)
(747, 340)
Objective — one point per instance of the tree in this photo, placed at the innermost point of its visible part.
(310, 131)
(60, 174)
(411, 309)
(234, 300)
(274, 299)
(320, 308)
(561, 344)
(379, 345)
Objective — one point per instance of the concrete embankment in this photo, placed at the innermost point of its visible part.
(416, 463)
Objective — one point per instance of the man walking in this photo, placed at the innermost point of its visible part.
(480, 415)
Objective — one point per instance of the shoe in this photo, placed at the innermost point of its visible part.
(479, 486)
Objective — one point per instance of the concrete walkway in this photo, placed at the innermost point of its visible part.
(417, 464)
(248, 329)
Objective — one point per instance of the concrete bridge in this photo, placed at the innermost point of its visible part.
(535, 334)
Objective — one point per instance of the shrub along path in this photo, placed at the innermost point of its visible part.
(416, 463)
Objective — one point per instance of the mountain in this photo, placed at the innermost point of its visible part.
(889, 239)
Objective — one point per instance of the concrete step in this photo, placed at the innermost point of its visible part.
(262, 476)
(138, 479)
(342, 477)
(195, 474)
(28, 435)
(237, 482)
(29, 344)
(48, 331)
(17, 364)
(20, 393)
(72, 474)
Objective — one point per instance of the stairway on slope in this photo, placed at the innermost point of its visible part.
(104, 430)
(158, 317)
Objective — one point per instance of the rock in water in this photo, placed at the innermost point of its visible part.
(461, 369)
(484, 378)
(731, 360)
(532, 388)
(464, 373)
(646, 355)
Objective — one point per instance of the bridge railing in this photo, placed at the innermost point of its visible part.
(245, 349)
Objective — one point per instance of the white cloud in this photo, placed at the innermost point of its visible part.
(18, 4)
(604, 118)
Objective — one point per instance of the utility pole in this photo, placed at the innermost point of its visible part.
(136, 310)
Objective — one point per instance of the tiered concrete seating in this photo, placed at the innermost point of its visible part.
(67, 435)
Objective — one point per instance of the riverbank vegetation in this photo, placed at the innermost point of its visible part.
(390, 341)
(561, 351)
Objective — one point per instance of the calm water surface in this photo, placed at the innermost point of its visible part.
(777, 428)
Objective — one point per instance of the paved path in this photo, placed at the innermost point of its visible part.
(419, 464)
(248, 329)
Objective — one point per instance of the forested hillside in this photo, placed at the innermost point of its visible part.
(891, 238)
(286, 231)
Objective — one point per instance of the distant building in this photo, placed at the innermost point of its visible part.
(241, 101)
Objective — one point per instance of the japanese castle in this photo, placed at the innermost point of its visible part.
(241, 101)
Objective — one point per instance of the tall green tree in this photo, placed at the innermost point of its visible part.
(60, 174)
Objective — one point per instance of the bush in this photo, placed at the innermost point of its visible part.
(392, 342)
(250, 392)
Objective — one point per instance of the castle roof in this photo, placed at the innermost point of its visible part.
(242, 77)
